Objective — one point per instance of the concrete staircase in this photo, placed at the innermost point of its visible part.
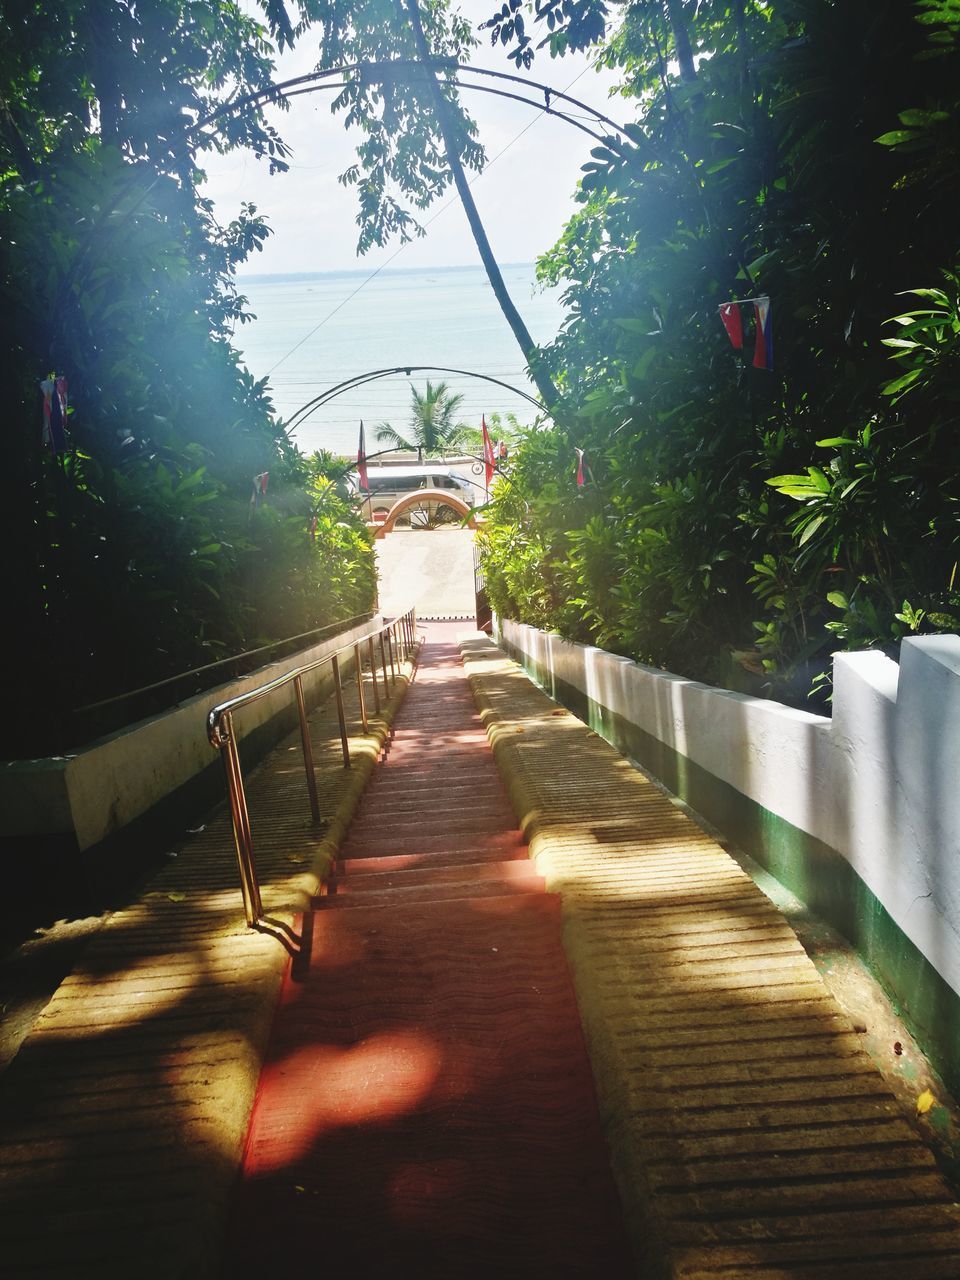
(427, 1107)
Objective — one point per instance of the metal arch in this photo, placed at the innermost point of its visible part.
(378, 72)
(300, 415)
(604, 139)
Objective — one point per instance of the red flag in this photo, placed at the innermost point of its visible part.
(362, 462)
(732, 322)
(489, 461)
(259, 488)
(580, 480)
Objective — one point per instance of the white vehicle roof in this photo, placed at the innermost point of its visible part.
(410, 473)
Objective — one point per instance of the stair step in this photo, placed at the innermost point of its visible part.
(449, 822)
(393, 788)
(465, 874)
(432, 893)
(448, 843)
(390, 810)
(461, 771)
(412, 861)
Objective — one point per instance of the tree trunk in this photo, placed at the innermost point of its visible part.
(544, 383)
(681, 40)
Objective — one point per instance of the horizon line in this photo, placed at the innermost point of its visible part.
(359, 271)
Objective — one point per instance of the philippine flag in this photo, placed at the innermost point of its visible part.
(763, 350)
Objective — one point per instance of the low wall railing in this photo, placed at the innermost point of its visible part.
(395, 641)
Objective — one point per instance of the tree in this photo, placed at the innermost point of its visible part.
(741, 525)
(433, 424)
(419, 140)
(138, 552)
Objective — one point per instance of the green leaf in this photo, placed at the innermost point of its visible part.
(917, 118)
(833, 441)
(895, 137)
(631, 325)
(810, 529)
(719, 165)
(838, 599)
(935, 295)
(898, 384)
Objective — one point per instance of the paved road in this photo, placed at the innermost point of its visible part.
(432, 569)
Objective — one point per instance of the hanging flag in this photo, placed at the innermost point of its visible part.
(763, 350)
(54, 391)
(733, 323)
(489, 461)
(362, 462)
(60, 387)
(259, 488)
(313, 529)
(580, 479)
(47, 387)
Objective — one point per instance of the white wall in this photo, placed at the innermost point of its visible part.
(100, 789)
(879, 783)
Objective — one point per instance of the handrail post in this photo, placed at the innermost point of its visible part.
(363, 705)
(383, 663)
(390, 643)
(307, 749)
(373, 676)
(240, 821)
(398, 638)
(341, 715)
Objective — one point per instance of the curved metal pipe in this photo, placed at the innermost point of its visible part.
(380, 71)
(602, 138)
(299, 416)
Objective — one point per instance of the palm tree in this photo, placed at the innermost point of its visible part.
(433, 421)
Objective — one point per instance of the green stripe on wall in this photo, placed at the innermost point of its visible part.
(819, 876)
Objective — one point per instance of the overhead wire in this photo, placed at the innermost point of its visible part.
(443, 208)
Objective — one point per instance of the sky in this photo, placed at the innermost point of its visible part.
(524, 196)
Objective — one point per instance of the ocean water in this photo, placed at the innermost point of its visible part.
(314, 331)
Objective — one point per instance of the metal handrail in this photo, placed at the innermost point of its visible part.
(341, 623)
(397, 636)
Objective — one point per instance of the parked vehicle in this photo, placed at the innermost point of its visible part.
(389, 484)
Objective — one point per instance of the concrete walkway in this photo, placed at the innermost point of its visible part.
(431, 569)
(123, 1117)
(752, 1136)
(427, 1107)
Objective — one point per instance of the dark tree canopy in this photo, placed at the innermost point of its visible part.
(741, 524)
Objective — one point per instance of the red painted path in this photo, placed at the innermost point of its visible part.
(427, 1107)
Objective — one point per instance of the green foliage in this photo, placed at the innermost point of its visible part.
(401, 166)
(138, 552)
(740, 525)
